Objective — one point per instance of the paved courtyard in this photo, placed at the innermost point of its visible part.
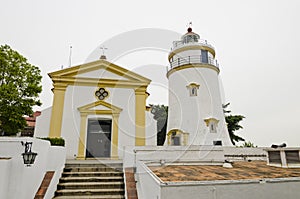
(240, 171)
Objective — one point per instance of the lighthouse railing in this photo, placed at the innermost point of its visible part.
(196, 59)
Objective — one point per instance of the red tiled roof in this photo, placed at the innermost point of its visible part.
(31, 120)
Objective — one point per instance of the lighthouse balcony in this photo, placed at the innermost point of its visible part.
(195, 59)
(180, 44)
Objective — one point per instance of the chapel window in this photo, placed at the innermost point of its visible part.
(101, 94)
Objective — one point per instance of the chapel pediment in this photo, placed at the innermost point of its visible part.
(100, 70)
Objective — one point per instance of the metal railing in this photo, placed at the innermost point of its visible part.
(195, 59)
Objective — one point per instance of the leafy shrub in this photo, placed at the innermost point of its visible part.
(55, 141)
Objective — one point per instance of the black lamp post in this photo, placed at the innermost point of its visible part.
(28, 155)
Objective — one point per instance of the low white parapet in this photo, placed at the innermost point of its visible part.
(173, 154)
(56, 162)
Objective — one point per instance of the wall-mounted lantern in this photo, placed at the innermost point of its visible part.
(28, 155)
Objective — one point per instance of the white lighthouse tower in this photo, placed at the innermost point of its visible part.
(195, 109)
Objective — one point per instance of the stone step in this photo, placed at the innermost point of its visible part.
(89, 192)
(91, 185)
(91, 169)
(111, 165)
(91, 197)
(90, 174)
(92, 179)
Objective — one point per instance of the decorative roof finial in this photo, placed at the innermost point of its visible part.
(70, 57)
(103, 48)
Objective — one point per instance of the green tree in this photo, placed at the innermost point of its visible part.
(19, 90)
(160, 113)
(248, 144)
(233, 124)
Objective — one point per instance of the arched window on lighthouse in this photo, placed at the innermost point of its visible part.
(176, 137)
(193, 89)
(212, 124)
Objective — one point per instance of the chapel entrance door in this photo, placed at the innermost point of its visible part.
(98, 138)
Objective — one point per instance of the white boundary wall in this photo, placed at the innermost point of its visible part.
(5, 164)
(148, 185)
(56, 162)
(247, 189)
(22, 182)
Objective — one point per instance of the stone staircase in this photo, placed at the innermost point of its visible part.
(91, 180)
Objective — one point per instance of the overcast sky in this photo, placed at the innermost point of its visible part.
(257, 44)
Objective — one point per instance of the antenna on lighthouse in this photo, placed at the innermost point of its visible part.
(189, 26)
(70, 57)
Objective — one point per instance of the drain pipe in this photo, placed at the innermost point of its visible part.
(134, 166)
